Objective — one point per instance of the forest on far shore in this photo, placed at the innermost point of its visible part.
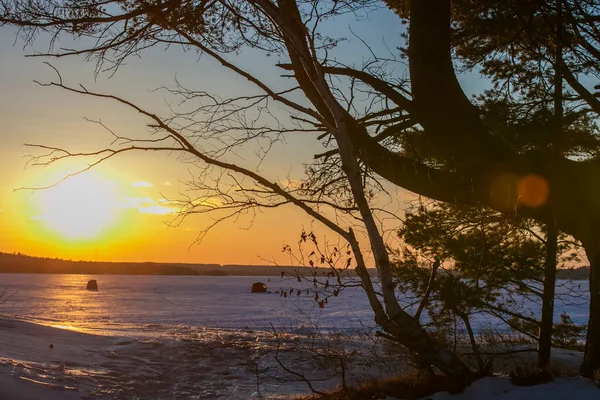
(23, 264)
(17, 263)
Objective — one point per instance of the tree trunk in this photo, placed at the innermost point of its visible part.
(311, 78)
(546, 322)
(407, 331)
(467, 322)
(412, 335)
(425, 299)
(591, 357)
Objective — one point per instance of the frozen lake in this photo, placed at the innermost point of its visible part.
(161, 336)
(157, 305)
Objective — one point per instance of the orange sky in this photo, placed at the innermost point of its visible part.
(123, 214)
(118, 212)
(105, 214)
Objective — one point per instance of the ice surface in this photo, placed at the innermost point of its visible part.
(155, 305)
(158, 337)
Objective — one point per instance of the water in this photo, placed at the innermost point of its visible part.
(155, 305)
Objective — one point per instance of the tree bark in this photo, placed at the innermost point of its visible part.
(441, 106)
(547, 319)
(430, 283)
(591, 357)
(467, 322)
(412, 335)
(311, 78)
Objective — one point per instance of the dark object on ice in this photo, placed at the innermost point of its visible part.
(259, 287)
(51, 346)
(92, 285)
(530, 378)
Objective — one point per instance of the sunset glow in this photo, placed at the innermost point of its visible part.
(81, 207)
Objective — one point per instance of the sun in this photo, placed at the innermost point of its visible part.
(81, 207)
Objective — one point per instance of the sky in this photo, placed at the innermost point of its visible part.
(121, 210)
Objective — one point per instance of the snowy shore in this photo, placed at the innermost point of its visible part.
(502, 389)
(200, 338)
(30, 369)
(41, 362)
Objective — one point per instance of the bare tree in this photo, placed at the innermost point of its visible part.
(231, 189)
(358, 138)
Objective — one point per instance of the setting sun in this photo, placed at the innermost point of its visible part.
(80, 207)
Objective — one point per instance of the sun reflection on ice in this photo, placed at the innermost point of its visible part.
(69, 327)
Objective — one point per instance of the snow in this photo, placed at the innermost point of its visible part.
(165, 305)
(500, 388)
(150, 337)
(210, 364)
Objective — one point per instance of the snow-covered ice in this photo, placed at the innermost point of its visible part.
(150, 337)
(156, 305)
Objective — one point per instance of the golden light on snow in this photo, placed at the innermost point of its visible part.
(68, 327)
(81, 207)
(533, 190)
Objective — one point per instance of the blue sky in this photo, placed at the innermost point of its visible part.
(33, 114)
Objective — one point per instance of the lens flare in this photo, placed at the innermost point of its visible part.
(508, 190)
(533, 190)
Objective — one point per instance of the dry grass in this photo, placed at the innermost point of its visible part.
(407, 386)
(411, 385)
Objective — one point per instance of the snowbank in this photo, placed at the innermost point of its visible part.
(202, 364)
(41, 362)
(503, 389)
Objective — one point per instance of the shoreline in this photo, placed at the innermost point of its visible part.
(31, 369)
(214, 364)
(85, 365)
(236, 273)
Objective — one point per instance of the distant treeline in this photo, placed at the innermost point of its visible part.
(18, 263)
(576, 274)
(24, 264)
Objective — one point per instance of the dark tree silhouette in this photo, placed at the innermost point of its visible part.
(478, 168)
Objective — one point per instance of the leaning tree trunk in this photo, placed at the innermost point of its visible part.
(467, 322)
(311, 79)
(408, 332)
(546, 322)
(591, 358)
